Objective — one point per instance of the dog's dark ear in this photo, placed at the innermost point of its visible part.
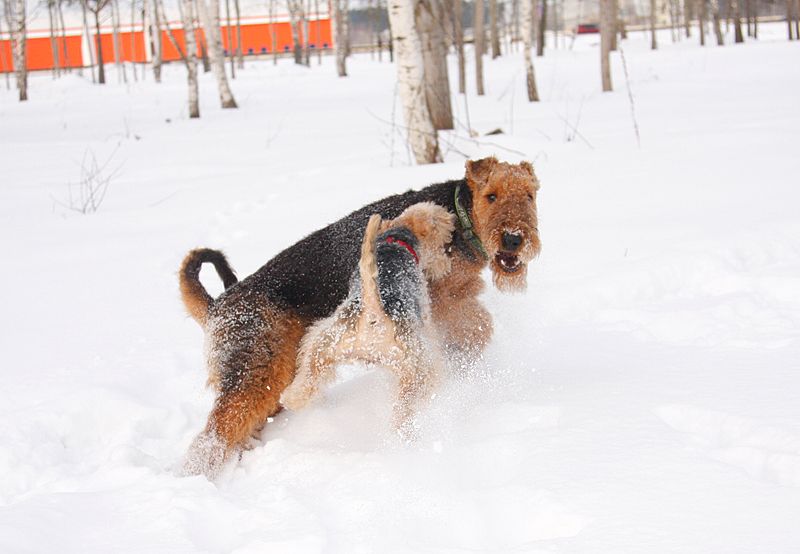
(478, 171)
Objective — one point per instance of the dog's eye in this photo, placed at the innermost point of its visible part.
(530, 197)
(491, 197)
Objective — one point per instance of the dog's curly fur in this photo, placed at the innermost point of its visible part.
(386, 318)
(254, 328)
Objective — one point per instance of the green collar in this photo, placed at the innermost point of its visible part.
(466, 226)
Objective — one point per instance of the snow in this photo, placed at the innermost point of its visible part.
(642, 396)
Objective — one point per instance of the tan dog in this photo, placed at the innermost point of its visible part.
(386, 318)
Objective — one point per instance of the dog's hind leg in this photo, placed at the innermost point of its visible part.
(250, 387)
(316, 361)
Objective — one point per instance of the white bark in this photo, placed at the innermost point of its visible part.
(479, 34)
(209, 15)
(606, 28)
(411, 82)
(16, 19)
(429, 16)
(191, 57)
(526, 10)
(339, 38)
(155, 24)
(458, 31)
(121, 73)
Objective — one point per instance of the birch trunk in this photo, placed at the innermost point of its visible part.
(272, 34)
(458, 31)
(340, 41)
(191, 57)
(6, 67)
(64, 55)
(122, 75)
(428, 16)
(717, 23)
(493, 31)
(229, 32)
(101, 67)
(294, 23)
(479, 38)
(410, 78)
(19, 39)
(239, 52)
(653, 41)
(157, 45)
(687, 17)
(606, 28)
(737, 22)
(304, 27)
(540, 38)
(88, 35)
(527, 32)
(53, 43)
(701, 20)
(614, 24)
(209, 15)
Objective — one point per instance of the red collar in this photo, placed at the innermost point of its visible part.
(405, 245)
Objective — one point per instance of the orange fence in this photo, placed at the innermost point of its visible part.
(256, 39)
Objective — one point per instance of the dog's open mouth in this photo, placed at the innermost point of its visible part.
(508, 262)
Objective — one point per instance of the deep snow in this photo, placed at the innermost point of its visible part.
(642, 396)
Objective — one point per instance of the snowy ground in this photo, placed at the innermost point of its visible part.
(642, 396)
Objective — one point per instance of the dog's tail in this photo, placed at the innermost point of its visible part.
(194, 295)
(368, 266)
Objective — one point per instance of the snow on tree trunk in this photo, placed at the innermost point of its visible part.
(526, 14)
(653, 41)
(479, 34)
(411, 82)
(458, 31)
(429, 16)
(209, 15)
(191, 57)
(493, 30)
(340, 41)
(606, 28)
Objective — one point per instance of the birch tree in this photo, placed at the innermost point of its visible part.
(429, 15)
(295, 8)
(157, 45)
(16, 19)
(122, 75)
(479, 34)
(228, 31)
(411, 82)
(653, 41)
(239, 51)
(458, 33)
(53, 43)
(606, 28)
(737, 22)
(526, 10)
(540, 37)
(716, 20)
(190, 58)
(87, 34)
(789, 14)
(5, 64)
(702, 16)
(339, 38)
(209, 15)
(95, 7)
(494, 35)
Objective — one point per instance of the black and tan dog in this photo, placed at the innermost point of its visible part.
(254, 328)
(386, 318)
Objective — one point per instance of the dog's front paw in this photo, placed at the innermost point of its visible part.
(206, 456)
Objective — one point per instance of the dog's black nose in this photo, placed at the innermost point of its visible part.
(511, 241)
